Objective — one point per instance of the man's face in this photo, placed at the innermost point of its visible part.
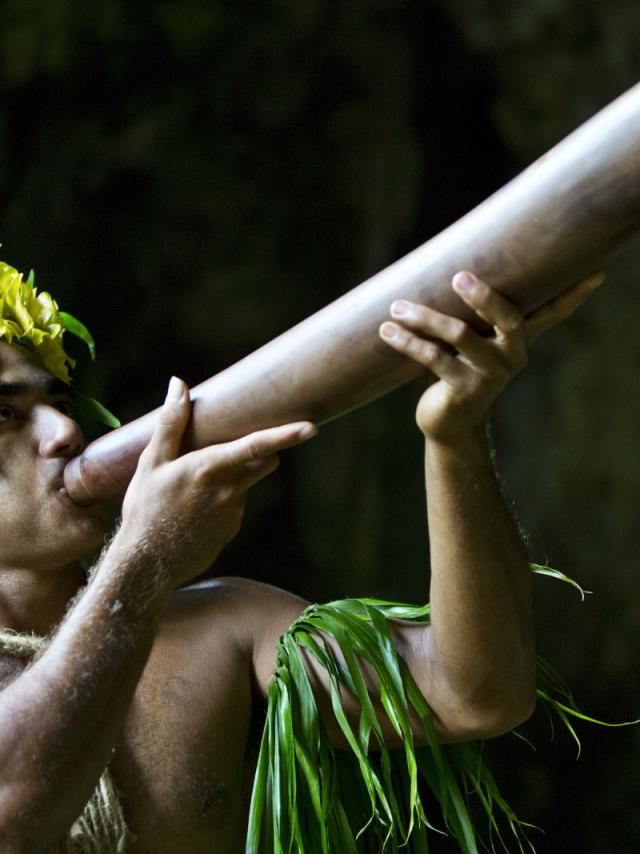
(40, 527)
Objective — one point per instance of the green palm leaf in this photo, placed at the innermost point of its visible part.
(76, 327)
(309, 798)
(89, 407)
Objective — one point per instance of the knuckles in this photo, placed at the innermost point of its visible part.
(420, 349)
(205, 485)
(488, 301)
(170, 417)
(254, 449)
(227, 494)
(458, 332)
(429, 352)
(514, 326)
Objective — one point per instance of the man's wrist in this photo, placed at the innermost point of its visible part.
(464, 445)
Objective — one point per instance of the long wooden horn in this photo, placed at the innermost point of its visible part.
(553, 224)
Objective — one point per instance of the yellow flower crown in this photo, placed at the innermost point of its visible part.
(33, 320)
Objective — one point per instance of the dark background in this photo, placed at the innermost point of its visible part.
(191, 178)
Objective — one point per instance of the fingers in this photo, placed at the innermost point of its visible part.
(172, 420)
(510, 341)
(487, 303)
(256, 450)
(426, 353)
(255, 470)
(426, 321)
(503, 355)
(562, 307)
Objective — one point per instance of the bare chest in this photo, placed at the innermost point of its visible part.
(185, 761)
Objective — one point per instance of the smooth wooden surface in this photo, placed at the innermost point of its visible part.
(556, 222)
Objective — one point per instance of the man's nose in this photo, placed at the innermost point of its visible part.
(58, 434)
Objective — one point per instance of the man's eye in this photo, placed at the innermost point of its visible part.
(7, 413)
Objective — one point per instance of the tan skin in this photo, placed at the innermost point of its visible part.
(175, 680)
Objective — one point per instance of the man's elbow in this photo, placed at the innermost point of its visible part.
(488, 719)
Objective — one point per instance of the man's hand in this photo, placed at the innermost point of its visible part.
(470, 380)
(186, 508)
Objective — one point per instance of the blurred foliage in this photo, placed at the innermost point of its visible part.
(554, 62)
(191, 178)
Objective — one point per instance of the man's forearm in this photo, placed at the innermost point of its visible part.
(477, 659)
(61, 717)
(482, 641)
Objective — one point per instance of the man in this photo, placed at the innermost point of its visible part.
(166, 683)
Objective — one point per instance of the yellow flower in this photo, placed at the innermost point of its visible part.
(33, 320)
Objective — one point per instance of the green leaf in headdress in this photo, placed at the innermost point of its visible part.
(90, 408)
(77, 328)
(33, 320)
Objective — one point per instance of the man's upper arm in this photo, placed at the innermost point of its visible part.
(264, 613)
(268, 612)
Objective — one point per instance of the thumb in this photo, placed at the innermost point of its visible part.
(172, 420)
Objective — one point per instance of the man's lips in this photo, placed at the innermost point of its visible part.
(59, 489)
(57, 484)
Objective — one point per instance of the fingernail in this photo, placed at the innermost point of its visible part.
(400, 307)
(464, 281)
(307, 431)
(175, 390)
(388, 330)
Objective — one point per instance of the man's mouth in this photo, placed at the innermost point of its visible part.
(57, 485)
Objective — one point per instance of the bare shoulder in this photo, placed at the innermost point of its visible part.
(250, 614)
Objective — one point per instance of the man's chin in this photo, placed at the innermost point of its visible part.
(81, 532)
